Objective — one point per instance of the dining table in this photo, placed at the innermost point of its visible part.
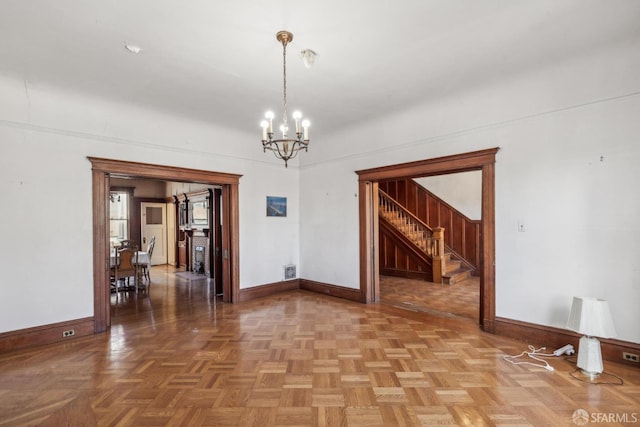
(142, 258)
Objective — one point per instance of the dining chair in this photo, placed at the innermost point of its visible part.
(147, 266)
(126, 266)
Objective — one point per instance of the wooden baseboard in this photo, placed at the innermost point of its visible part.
(267, 289)
(307, 285)
(552, 338)
(45, 334)
(332, 290)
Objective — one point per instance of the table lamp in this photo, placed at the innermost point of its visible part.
(591, 317)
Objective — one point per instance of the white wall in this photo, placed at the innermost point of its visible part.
(461, 190)
(46, 217)
(553, 126)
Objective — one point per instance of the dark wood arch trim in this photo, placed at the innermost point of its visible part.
(102, 169)
(483, 160)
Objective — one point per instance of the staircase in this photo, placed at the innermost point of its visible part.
(454, 271)
(445, 268)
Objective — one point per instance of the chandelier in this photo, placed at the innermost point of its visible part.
(286, 147)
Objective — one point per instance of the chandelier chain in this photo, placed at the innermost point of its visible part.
(284, 79)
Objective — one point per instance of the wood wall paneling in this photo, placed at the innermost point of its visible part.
(461, 233)
(433, 213)
(457, 232)
(472, 244)
(397, 258)
(401, 192)
(421, 209)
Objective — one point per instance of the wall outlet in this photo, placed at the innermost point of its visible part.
(631, 357)
(68, 333)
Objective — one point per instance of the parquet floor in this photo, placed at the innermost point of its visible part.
(179, 357)
(459, 300)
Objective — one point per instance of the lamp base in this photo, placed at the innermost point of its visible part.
(592, 375)
(589, 356)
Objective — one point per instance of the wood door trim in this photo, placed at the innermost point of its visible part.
(101, 171)
(151, 171)
(437, 166)
(483, 160)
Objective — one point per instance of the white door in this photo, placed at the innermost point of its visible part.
(154, 223)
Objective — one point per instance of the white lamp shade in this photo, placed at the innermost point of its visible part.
(591, 317)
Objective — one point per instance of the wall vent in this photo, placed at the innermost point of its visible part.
(288, 272)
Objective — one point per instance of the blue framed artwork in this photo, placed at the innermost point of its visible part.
(276, 206)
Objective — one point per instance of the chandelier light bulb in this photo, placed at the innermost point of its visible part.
(297, 115)
(269, 116)
(305, 125)
(264, 125)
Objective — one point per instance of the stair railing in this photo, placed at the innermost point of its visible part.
(429, 241)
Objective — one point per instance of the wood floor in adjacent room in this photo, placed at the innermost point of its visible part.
(180, 357)
(461, 300)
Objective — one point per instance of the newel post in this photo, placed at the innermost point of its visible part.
(438, 254)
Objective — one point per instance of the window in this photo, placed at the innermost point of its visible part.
(118, 217)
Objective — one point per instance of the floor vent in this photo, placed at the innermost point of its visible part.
(289, 272)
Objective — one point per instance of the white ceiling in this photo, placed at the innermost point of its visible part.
(220, 62)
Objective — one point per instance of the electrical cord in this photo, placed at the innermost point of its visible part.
(536, 354)
(533, 353)
(597, 382)
(573, 359)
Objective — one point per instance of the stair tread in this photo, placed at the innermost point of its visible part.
(456, 271)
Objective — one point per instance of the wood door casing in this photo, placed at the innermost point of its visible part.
(102, 169)
(483, 160)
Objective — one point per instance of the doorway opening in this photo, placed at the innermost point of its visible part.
(103, 169)
(410, 210)
(483, 161)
